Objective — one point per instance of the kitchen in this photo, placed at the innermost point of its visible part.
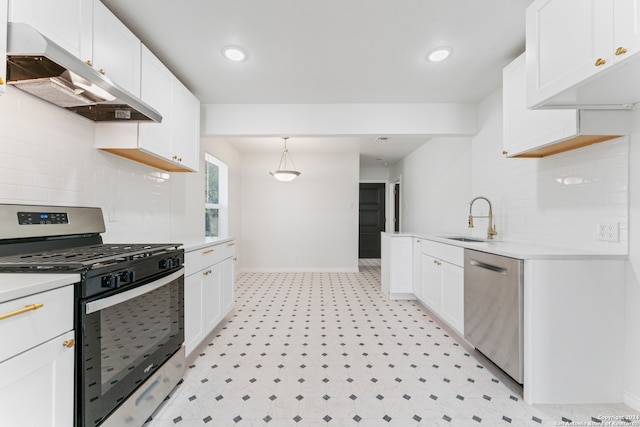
(56, 162)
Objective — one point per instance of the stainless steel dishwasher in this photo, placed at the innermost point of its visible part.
(493, 318)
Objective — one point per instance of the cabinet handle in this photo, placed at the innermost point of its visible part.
(89, 63)
(505, 152)
(207, 251)
(101, 71)
(620, 51)
(20, 311)
(208, 272)
(1, 81)
(600, 62)
(69, 343)
(230, 244)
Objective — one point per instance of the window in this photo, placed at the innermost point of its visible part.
(215, 198)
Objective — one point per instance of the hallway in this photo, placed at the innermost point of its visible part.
(328, 349)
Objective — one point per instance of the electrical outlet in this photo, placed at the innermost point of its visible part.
(609, 232)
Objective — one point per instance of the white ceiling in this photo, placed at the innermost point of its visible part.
(332, 51)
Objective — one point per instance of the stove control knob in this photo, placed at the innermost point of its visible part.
(110, 281)
(175, 262)
(127, 276)
(165, 264)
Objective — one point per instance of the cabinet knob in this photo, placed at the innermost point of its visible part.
(505, 152)
(620, 51)
(600, 62)
(101, 71)
(1, 81)
(89, 63)
(69, 343)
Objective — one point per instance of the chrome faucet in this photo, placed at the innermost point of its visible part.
(491, 231)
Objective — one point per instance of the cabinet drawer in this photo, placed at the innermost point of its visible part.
(449, 253)
(207, 256)
(28, 329)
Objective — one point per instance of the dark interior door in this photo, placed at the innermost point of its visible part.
(372, 219)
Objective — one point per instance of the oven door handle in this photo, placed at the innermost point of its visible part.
(103, 303)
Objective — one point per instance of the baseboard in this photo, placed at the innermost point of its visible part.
(408, 296)
(632, 401)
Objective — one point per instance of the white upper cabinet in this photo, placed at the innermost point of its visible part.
(116, 50)
(156, 91)
(583, 53)
(3, 45)
(172, 145)
(539, 133)
(185, 136)
(67, 23)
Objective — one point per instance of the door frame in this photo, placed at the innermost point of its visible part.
(392, 206)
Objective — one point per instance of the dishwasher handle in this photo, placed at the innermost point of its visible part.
(486, 266)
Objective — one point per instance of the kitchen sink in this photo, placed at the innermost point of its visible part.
(465, 239)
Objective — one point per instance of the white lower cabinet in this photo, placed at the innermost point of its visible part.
(37, 379)
(208, 291)
(442, 279)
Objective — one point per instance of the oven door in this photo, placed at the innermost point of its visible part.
(126, 337)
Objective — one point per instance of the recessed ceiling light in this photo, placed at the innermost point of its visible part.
(234, 53)
(439, 54)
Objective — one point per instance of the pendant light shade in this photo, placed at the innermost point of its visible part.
(283, 173)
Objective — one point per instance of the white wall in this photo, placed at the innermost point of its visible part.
(374, 173)
(632, 294)
(47, 156)
(435, 186)
(308, 224)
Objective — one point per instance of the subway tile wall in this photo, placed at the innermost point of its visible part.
(559, 199)
(47, 156)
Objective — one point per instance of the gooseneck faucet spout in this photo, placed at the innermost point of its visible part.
(491, 230)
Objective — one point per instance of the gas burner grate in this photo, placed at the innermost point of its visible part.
(83, 256)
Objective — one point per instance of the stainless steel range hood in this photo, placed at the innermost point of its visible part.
(37, 65)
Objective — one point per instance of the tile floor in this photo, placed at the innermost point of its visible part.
(328, 349)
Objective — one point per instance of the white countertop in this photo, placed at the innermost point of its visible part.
(18, 285)
(513, 249)
(199, 243)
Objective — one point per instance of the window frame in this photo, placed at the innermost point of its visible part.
(223, 195)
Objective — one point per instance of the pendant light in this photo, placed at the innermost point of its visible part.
(284, 174)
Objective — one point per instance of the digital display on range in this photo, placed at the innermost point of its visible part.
(31, 218)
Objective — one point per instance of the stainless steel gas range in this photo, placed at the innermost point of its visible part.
(129, 307)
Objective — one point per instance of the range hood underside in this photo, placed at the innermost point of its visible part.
(40, 76)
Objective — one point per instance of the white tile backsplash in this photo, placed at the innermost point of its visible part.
(558, 199)
(47, 156)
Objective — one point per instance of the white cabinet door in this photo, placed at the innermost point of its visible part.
(36, 387)
(524, 129)
(626, 35)
(3, 45)
(193, 311)
(116, 50)
(67, 23)
(227, 282)
(452, 309)
(568, 41)
(155, 90)
(431, 282)
(212, 297)
(185, 139)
